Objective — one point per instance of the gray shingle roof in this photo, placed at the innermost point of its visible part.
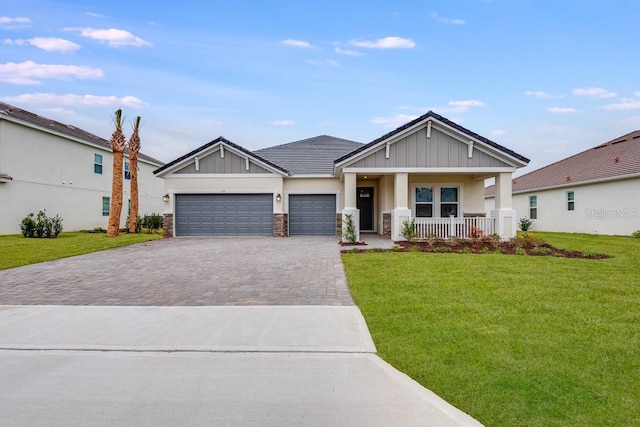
(618, 157)
(312, 156)
(69, 130)
(431, 114)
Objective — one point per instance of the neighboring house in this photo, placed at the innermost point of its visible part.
(430, 168)
(49, 165)
(595, 191)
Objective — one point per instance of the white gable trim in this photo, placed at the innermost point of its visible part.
(429, 123)
(222, 147)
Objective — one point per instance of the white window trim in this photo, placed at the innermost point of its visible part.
(567, 201)
(436, 196)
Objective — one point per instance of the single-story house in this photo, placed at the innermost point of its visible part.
(48, 165)
(430, 169)
(596, 191)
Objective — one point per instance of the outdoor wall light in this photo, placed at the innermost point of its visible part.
(278, 198)
(165, 198)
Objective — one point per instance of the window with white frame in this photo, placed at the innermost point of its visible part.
(97, 163)
(106, 205)
(127, 171)
(571, 204)
(424, 202)
(448, 202)
(434, 201)
(533, 207)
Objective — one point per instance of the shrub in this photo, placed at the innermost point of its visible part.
(520, 251)
(636, 234)
(525, 223)
(349, 228)
(151, 222)
(408, 229)
(41, 225)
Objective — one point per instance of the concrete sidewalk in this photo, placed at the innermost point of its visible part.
(248, 366)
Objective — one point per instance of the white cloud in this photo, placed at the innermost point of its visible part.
(498, 132)
(594, 92)
(541, 94)
(459, 106)
(19, 22)
(562, 110)
(629, 104)
(444, 20)
(112, 36)
(385, 43)
(95, 15)
(283, 123)
(632, 121)
(393, 121)
(323, 62)
(31, 73)
(50, 44)
(77, 100)
(348, 52)
(297, 43)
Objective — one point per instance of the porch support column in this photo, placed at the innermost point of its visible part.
(401, 211)
(504, 214)
(350, 205)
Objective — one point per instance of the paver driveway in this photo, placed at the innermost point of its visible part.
(188, 271)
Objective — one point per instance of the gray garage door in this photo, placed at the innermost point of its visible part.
(224, 215)
(312, 214)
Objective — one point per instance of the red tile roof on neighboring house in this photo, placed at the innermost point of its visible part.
(615, 158)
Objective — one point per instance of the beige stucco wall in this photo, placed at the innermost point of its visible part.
(327, 185)
(605, 208)
(55, 173)
(221, 184)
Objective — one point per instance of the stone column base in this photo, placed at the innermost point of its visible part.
(167, 225)
(399, 216)
(386, 224)
(280, 225)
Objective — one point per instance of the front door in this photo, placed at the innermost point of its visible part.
(365, 204)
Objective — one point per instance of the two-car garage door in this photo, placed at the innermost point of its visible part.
(252, 214)
(224, 214)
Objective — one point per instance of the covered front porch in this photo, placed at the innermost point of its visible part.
(443, 206)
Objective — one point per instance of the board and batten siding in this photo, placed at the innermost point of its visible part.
(416, 150)
(231, 163)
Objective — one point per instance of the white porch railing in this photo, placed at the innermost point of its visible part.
(462, 228)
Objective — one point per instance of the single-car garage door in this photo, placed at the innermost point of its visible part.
(312, 214)
(224, 215)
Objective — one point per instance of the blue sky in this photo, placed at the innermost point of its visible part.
(545, 78)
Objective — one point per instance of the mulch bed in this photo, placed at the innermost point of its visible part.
(482, 246)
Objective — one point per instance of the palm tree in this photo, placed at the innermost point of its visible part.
(134, 149)
(117, 145)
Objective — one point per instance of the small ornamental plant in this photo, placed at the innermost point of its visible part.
(349, 233)
(408, 229)
(525, 224)
(41, 226)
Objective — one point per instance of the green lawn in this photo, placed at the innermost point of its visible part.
(17, 250)
(513, 340)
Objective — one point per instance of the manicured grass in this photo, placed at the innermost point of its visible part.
(17, 250)
(513, 340)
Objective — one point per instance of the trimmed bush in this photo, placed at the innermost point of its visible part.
(41, 226)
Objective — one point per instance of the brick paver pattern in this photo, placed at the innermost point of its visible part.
(303, 270)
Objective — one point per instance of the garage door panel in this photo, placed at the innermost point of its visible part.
(312, 214)
(224, 214)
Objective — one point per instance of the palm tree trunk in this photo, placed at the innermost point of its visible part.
(134, 149)
(117, 145)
